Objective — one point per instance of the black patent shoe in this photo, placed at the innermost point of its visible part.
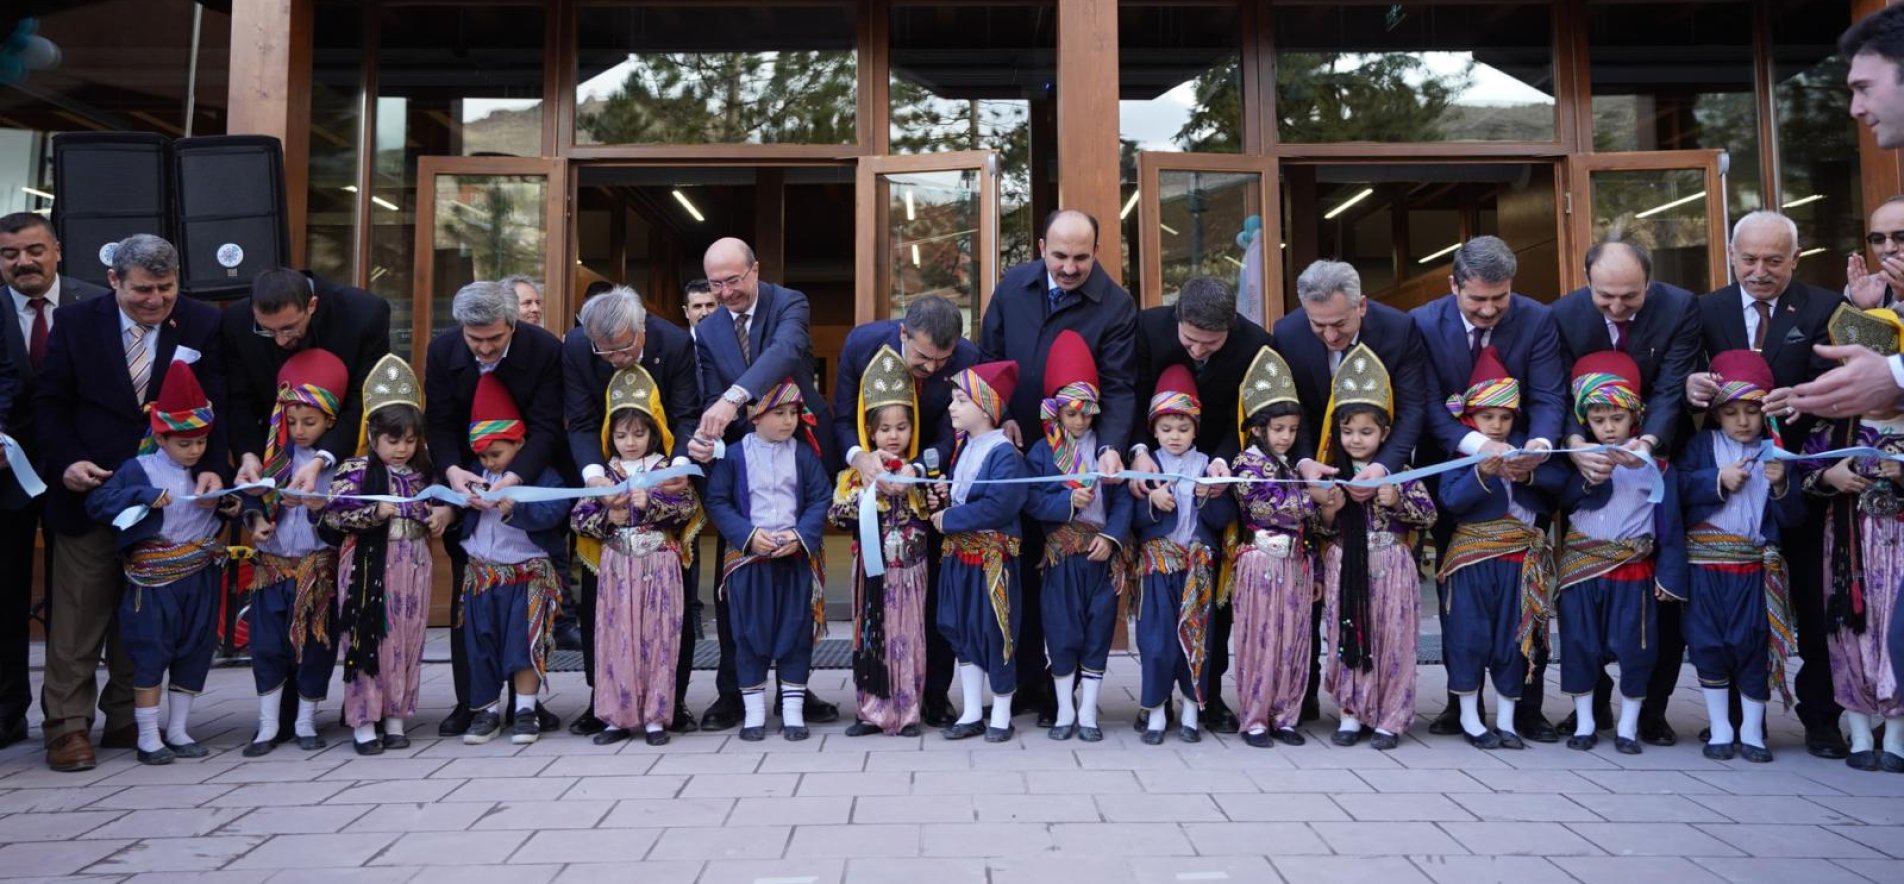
(794, 734)
(1487, 739)
(162, 755)
(1190, 734)
(1536, 727)
(1582, 743)
(1891, 762)
(546, 722)
(683, 722)
(1062, 732)
(1153, 738)
(586, 724)
(1656, 732)
(956, 731)
(1512, 740)
(368, 747)
(193, 749)
(861, 729)
(1826, 742)
(1000, 734)
(1090, 734)
(1384, 742)
(911, 730)
(1717, 751)
(608, 736)
(311, 743)
(454, 724)
(657, 738)
(1289, 736)
(1448, 723)
(1346, 737)
(753, 734)
(1218, 719)
(396, 741)
(1259, 740)
(261, 748)
(818, 711)
(1866, 760)
(725, 713)
(938, 712)
(1625, 746)
(1755, 754)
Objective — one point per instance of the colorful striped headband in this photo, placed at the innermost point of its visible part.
(1497, 393)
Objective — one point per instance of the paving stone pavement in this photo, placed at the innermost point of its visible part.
(709, 809)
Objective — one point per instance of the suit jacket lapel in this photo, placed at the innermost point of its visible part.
(112, 340)
(1784, 317)
(1733, 310)
(756, 326)
(1455, 334)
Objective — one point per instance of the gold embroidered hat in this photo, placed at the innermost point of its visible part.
(1362, 380)
(1876, 329)
(391, 382)
(633, 388)
(887, 381)
(1267, 382)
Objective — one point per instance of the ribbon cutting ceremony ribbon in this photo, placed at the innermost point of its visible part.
(21, 468)
(1769, 451)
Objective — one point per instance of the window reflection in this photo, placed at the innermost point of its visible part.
(336, 87)
(1817, 138)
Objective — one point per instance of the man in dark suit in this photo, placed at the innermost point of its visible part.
(614, 331)
(930, 339)
(528, 360)
(1768, 311)
(759, 337)
(29, 256)
(1065, 289)
(1483, 311)
(105, 360)
(1204, 333)
(1623, 308)
(290, 311)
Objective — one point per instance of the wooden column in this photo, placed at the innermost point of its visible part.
(270, 92)
(1087, 119)
(770, 222)
(1880, 171)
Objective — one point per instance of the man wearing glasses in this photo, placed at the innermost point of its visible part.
(614, 331)
(1876, 282)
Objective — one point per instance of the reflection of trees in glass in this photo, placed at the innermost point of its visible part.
(923, 122)
(499, 226)
(942, 228)
(1819, 157)
(1362, 97)
(1684, 121)
(792, 97)
(1216, 122)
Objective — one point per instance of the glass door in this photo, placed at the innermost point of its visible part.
(933, 223)
(487, 218)
(1204, 215)
(1673, 201)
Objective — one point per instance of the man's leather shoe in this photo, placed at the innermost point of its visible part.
(120, 738)
(454, 724)
(1826, 742)
(1655, 731)
(683, 722)
(547, 722)
(1219, 719)
(70, 752)
(1535, 726)
(938, 712)
(1448, 723)
(724, 714)
(586, 724)
(818, 711)
(12, 732)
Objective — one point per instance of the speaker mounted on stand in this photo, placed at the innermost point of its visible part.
(110, 185)
(229, 199)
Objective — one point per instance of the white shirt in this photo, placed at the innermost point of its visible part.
(487, 367)
(1752, 315)
(25, 310)
(498, 542)
(1335, 356)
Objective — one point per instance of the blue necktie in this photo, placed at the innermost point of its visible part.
(1051, 299)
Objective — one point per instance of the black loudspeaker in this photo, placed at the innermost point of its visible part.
(229, 193)
(109, 185)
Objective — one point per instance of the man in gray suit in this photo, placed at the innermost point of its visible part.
(29, 257)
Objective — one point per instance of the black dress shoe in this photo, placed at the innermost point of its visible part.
(1289, 736)
(683, 722)
(1000, 734)
(1047, 718)
(368, 747)
(311, 743)
(725, 713)
(609, 736)
(818, 711)
(1512, 740)
(1891, 762)
(1866, 760)
(938, 712)
(1583, 743)
(1384, 742)
(193, 749)
(1756, 754)
(547, 722)
(1448, 723)
(1536, 727)
(753, 734)
(1656, 732)
(1062, 732)
(586, 724)
(1486, 739)
(1153, 738)
(160, 756)
(1090, 734)
(911, 730)
(1625, 746)
(1190, 734)
(261, 748)
(1717, 751)
(396, 741)
(794, 734)
(1826, 742)
(956, 731)
(12, 732)
(657, 738)
(1219, 719)
(454, 724)
(861, 729)
(1346, 737)
(1258, 740)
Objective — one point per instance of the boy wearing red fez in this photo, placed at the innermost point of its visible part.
(768, 497)
(979, 593)
(1497, 581)
(1623, 555)
(510, 589)
(294, 575)
(1738, 619)
(168, 619)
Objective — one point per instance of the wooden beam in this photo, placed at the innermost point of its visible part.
(1088, 150)
(270, 92)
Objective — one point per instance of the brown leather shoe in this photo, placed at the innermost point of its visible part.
(120, 738)
(70, 752)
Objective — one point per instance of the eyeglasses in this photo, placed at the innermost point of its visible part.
(1877, 237)
(630, 347)
(289, 333)
(729, 284)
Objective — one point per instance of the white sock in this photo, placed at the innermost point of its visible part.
(1158, 716)
(268, 716)
(1718, 718)
(1859, 724)
(1471, 714)
(1187, 716)
(652, 728)
(1067, 712)
(1752, 724)
(1350, 724)
(1001, 711)
(1583, 715)
(364, 733)
(525, 703)
(306, 724)
(1894, 735)
(1504, 713)
(1384, 732)
(175, 721)
(755, 704)
(971, 692)
(1087, 704)
(1629, 726)
(147, 718)
(393, 727)
(793, 706)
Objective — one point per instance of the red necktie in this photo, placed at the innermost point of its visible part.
(36, 342)
(1619, 333)
(1474, 344)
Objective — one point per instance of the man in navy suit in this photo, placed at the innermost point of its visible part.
(1065, 289)
(1785, 320)
(488, 339)
(758, 337)
(1623, 308)
(931, 341)
(105, 360)
(29, 256)
(1482, 310)
(614, 331)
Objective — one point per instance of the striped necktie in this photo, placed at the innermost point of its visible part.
(138, 361)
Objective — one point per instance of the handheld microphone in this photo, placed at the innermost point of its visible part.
(931, 463)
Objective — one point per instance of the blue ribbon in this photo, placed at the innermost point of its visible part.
(21, 467)
(1769, 451)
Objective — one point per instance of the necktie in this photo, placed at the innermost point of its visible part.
(1765, 322)
(1474, 343)
(1051, 300)
(1620, 327)
(740, 335)
(138, 362)
(36, 342)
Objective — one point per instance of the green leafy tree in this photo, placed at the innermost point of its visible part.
(1391, 97)
(791, 97)
(1216, 122)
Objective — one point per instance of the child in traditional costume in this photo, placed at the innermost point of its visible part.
(889, 610)
(1738, 617)
(1497, 582)
(768, 498)
(1622, 556)
(294, 574)
(384, 566)
(978, 576)
(1864, 553)
(1272, 586)
(637, 545)
(1371, 585)
(1177, 528)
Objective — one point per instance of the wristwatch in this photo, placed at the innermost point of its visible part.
(736, 396)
